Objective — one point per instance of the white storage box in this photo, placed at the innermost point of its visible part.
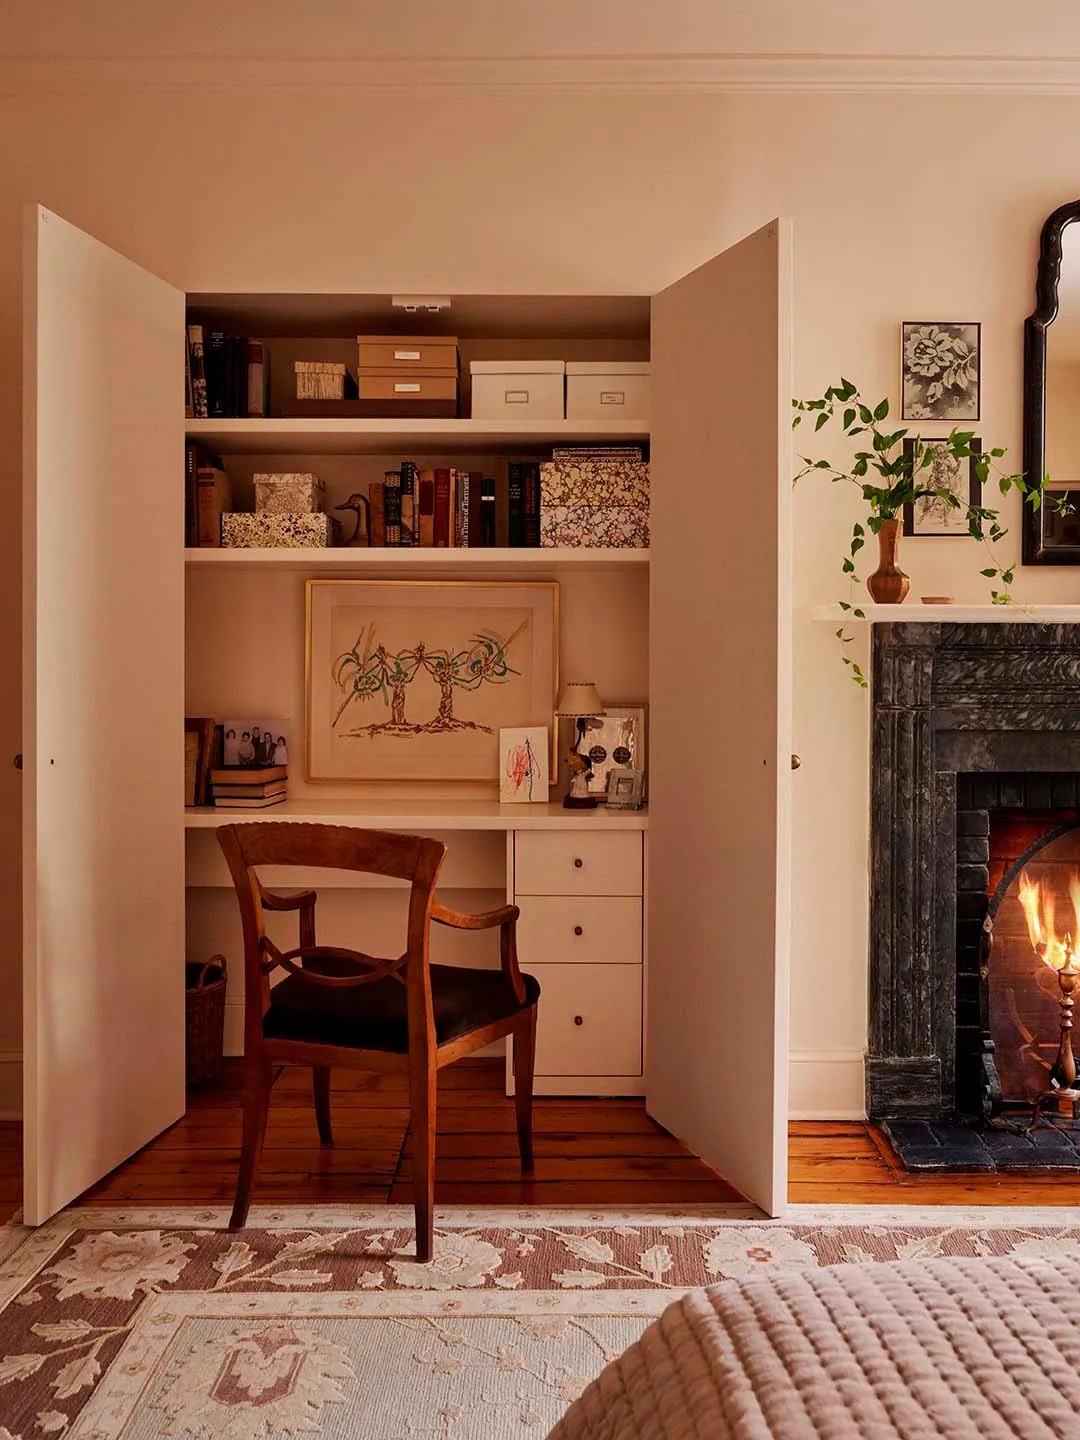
(607, 389)
(517, 389)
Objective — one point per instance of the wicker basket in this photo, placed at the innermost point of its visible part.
(205, 1019)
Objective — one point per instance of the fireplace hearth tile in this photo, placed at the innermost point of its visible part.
(962, 1143)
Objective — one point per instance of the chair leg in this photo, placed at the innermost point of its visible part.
(422, 1091)
(524, 1058)
(320, 1084)
(256, 1106)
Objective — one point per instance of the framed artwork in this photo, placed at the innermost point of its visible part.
(940, 369)
(198, 750)
(625, 790)
(251, 744)
(612, 741)
(935, 515)
(414, 679)
(523, 764)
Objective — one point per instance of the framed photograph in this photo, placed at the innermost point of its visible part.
(934, 515)
(253, 744)
(625, 789)
(414, 679)
(614, 740)
(523, 764)
(940, 370)
(198, 750)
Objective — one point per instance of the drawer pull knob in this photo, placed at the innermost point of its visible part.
(578, 864)
(578, 1020)
(578, 930)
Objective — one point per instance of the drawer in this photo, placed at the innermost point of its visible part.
(589, 1019)
(588, 929)
(577, 862)
(410, 387)
(390, 353)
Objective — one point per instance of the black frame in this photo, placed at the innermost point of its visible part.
(1038, 549)
(975, 325)
(974, 488)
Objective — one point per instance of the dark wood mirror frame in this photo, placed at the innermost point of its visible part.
(1038, 549)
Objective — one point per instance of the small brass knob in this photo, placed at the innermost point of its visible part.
(578, 1020)
(795, 762)
(578, 930)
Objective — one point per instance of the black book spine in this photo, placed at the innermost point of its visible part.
(515, 503)
(487, 511)
(214, 365)
(392, 506)
(531, 524)
(239, 376)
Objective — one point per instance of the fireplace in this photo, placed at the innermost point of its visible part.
(975, 786)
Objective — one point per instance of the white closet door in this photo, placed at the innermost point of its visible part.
(720, 695)
(103, 598)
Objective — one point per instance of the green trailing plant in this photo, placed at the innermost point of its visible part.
(889, 475)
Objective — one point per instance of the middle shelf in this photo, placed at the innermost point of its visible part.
(416, 560)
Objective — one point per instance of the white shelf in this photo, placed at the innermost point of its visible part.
(348, 436)
(415, 561)
(916, 613)
(424, 815)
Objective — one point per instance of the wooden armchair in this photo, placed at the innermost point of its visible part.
(344, 1007)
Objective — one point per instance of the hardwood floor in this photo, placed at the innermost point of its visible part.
(588, 1152)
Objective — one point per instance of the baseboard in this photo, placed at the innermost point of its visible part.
(10, 1084)
(826, 1085)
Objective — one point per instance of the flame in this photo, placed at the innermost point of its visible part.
(1053, 949)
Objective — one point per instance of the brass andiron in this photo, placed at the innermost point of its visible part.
(1063, 1071)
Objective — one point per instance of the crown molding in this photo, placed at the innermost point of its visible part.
(677, 74)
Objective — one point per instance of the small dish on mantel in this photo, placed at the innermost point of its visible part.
(936, 599)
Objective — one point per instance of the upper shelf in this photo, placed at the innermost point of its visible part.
(1015, 614)
(350, 436)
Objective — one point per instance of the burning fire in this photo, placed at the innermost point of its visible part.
(1057, 951)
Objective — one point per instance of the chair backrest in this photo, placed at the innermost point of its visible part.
(413, 858)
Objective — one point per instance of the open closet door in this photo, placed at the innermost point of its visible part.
(103, 600)
(720, 747)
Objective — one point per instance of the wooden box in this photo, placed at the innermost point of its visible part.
(607, 390)
(517, 389)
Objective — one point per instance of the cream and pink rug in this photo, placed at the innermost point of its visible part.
(146, 1324)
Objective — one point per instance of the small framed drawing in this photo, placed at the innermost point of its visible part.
(523, 764)
(198, 749)
(943, 471)
(940, 369)
(625, 789)
(612, 741)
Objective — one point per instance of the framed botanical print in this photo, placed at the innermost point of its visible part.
(940, 369)
(944, 472)
(413, 679)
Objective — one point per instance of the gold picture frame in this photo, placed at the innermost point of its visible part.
(411, 680)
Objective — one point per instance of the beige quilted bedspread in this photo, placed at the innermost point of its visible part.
(942, 1348)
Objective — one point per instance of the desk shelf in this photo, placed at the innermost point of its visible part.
(423, 816)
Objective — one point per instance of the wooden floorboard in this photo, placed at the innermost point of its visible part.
(592, 1152)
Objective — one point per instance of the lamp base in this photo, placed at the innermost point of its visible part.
(580, 802)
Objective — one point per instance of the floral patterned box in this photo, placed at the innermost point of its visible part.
(290, 493)
(616, 527)
(592, 481)
(298, 531)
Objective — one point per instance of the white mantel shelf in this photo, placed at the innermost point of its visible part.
(952, 614)
(423, 815)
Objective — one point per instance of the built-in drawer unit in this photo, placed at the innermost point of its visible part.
(577, 862)
(579, 930)
(590, 1020)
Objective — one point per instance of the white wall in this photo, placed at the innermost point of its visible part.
(905, 206)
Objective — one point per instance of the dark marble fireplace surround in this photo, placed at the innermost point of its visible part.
(950, 702)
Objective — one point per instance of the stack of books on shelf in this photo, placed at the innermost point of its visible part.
(207, 496)
(249, 789)
(227, 375)
(447, 508)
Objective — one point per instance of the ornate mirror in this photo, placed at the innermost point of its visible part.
(1052, 392)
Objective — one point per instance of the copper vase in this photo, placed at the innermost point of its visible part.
(888, 584)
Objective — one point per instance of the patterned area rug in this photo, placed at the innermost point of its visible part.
(320, 1322)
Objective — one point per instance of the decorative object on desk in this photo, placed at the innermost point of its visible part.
(254, 744)
(412, 680)
(625, 789)
(615, 740)
(579, 701)
(297, 531)
(957, 487)
(523, 763)
(288, 493)
(596, 499)
(360, 508)
(888, 480)
(198, 752)
(940, 370)
(936, 599)
(319, 380)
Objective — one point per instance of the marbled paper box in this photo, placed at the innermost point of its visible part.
(593, 481)
(298, 531)
(616, 527)
(288, 493)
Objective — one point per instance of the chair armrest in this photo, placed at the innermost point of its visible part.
(505, 917)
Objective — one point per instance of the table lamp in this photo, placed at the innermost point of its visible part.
(578, 700)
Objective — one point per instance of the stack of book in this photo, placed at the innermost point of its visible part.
(227, 375)
(249, 789)
(446, 508)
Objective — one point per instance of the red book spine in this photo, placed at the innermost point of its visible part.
(442, 510)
